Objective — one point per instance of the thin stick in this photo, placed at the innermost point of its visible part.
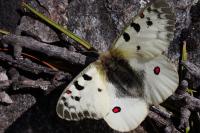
(4, 32)
(59, 27)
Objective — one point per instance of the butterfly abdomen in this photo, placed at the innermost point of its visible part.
(119, 72)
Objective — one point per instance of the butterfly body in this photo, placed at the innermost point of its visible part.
(134, 74)
(118, 71)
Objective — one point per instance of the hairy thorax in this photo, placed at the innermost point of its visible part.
(118, 71)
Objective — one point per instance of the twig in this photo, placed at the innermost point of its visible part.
(27, 65)
(161, 112)
(184, 104)
(192, 69)
(50, 50)
(162, 122)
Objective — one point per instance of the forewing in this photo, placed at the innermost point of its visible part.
(143, 43)
(150, 33)
(84, 97)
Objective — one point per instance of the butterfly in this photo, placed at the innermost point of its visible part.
(134, 74)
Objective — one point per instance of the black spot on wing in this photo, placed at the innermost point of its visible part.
(156, 11)
(67, 114)
(149, 22)
(66, 104)
(77, 98)
(149, 9)
(80, 115)
(74, 116)
(138, 47)
(78, 87)
(87, 77)
(126, 36)
(99, 90)
(86, 113)
(63, 98)
(135, 26)
(93, 115)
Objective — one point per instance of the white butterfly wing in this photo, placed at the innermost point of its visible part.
(150, 33)
(160, 78)
(143, 44)
(84, 97)
(126, 113)
(91, 97)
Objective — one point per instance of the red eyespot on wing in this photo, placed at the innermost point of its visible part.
(141, 15)
(156, 70)
(68, 91)
(116, 109)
